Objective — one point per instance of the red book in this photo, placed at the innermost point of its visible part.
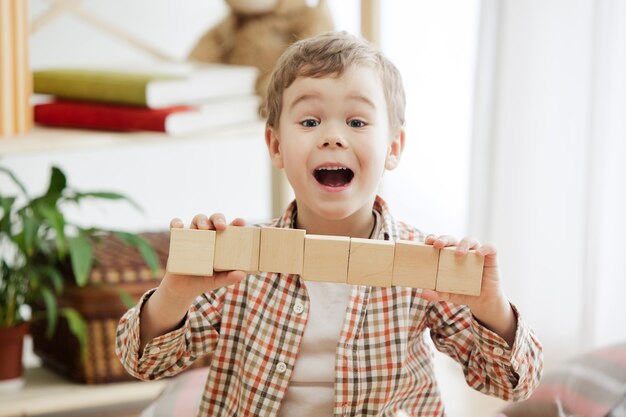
(173, 120)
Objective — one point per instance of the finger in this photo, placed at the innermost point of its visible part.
(238, 222)
(217, 221)
(468, 243)
(200, 221)
(429, 295)
(176, 223)
(489, 251)
(224, 279)
(430, 239)
(432, 295)
(444, 241)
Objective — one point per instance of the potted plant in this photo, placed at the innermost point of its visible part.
(37, 244)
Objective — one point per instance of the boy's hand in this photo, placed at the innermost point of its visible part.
(491, 307)
(165, 310)
(490, 287)
(189, 287)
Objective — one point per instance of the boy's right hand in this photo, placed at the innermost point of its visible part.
(168, 305)
(188, 287)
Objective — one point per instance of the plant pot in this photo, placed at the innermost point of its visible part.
(11, 343)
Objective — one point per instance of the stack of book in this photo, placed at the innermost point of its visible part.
(175, 99)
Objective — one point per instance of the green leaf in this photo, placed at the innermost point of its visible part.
(9, 312)
(105, 195)
(78, 327)
(126, 298)
(15, 180)
(58, 183)
(92, 232)
(5, 221)
(52, 312)
(146, 250)
(55, 277)
(81, 255)
(29, 232)
(33, 282)
(57, 221)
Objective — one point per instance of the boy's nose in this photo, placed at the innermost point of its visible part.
(332, 142)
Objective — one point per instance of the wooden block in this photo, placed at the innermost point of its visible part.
(237, 248)
(326, 258)
(415, 265)
(371, 262)
(460, 274)
(191, 252)
(282, 250)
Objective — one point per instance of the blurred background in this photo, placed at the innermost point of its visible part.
(516, 134)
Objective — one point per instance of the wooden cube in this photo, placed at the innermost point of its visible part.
(415, 265)
(237, 248)
(282, 250)
(326, 258)
(191, 252)
(371, 262)
(460, 274)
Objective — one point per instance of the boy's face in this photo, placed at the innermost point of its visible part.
(334, 142)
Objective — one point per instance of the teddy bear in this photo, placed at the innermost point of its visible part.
(257, 32)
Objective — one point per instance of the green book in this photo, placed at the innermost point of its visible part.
(188, 84)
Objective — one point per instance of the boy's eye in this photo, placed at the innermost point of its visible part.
(356, 123)
(309, 123)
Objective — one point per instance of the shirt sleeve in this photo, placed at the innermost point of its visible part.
(170, 353)
(489, 364)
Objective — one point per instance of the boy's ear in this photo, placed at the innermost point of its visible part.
(396, 147)
(273, 147)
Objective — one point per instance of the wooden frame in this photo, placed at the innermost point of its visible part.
(15, 75)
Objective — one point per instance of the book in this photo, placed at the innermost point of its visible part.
(155, 87)
(175, 120)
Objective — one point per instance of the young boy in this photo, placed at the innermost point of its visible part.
(280, 346)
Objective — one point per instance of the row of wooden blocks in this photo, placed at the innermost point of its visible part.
(324, 258)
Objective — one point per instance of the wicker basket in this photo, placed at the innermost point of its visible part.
(118, 268)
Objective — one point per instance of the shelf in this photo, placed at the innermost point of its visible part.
(57, 139)
(47, 393)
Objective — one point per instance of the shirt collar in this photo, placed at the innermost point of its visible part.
(386, 231)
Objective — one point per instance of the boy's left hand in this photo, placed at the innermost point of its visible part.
(491, 307)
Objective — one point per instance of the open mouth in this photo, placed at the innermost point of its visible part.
(333, 176)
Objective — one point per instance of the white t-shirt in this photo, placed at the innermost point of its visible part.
(311, 391)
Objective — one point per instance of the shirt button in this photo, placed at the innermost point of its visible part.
(498, 351)
(154, 351)
(298, 308)
(281, 367)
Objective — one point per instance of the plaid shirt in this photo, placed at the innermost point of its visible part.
(383, 364)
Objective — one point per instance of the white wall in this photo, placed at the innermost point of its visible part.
(540, 223)
(606, 203)
(167, 177)
(433, 43)
(170, 28)
(548, 181)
